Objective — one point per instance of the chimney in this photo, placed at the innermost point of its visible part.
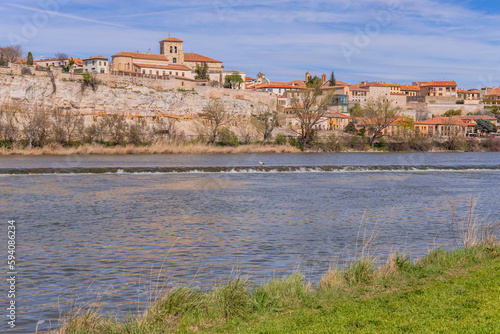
(308, 76)
(323, 79)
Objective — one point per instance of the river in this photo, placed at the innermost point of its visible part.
(110, 231)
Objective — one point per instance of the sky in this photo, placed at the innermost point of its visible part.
(396, 41)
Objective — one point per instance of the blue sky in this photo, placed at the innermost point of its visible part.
(386, 40)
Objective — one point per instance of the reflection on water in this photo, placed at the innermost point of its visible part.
(112, 239)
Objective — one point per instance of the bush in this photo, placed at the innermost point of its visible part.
(460, 102)
(472, 145)
(227, 138)
(380, 144)
(296, 143)
(280, 139)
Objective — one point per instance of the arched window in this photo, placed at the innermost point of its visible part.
(171, 49)
(175, 60)
(175, 49)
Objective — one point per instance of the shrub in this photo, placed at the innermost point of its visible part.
(227, 138)
(280, 139)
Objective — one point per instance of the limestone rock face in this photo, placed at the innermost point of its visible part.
(127, 99)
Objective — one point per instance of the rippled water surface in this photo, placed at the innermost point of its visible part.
(108, 230)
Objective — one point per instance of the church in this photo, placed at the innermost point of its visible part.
(172, 61)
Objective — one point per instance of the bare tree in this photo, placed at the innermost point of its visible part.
(309, 109)
(265, 121)
(67, 125)
(9, 54)
(245, 129)
(378, 115)
(115, 127)
(8, 125)
(421, 113)
(61, 56)
(216, 116)
(137, 132)
(35, 126)
(167, 129)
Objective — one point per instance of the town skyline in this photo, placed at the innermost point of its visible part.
(388, 41)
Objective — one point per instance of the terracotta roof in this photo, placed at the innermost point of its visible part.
(439, 83)
(171, 39)
(51, 59)
(194, 57)
(443, 121)
(97, 57)
(79, 62)
(494, 92)
(476, 117)
(279, 85)
(140, 55)
(398, 94)
(249, 79)
(300, 83)
(408, 87)
(165, 67)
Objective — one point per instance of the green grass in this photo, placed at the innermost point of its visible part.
(444, 292)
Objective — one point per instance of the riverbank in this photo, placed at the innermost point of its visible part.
(471, 145)
(446, 291)
(156, 148)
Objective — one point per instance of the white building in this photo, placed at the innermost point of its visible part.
(97, 64)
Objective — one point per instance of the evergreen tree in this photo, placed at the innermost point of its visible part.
(332, 80)
(30, 59)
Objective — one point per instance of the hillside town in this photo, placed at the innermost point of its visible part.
(425, 109)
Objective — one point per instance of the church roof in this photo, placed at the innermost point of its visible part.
(172, 39)
(194, 57)
(164, 67)
(140, 55)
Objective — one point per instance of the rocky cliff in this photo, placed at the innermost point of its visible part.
(128, 98)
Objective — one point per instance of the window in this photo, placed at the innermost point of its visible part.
(183, 83)
(171, 49)
(93, 62)
(170, 72)
(143, 71)
(182, 73)
(104, 63)
(163, 72)
(175, 49)
(150, 71)
(100, 63)
(102, 70)
(157, 72)
(175, 60)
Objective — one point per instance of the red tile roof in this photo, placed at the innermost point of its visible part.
(439, 83)
(408, 87)
(165, 67)
(494, 92)
(140, 55)
(97, 57)
(172, 39)
(194, 57)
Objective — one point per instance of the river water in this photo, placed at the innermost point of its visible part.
(110, 231)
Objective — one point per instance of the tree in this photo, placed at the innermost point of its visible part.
(350, 127)
(217, 116)
(202, 72)
(356, 111)
(314, 83)
(332, 82)
(309, 109)
(233, 81)
(35, 126)
(484, 126)
(62, 56)
(265, 122)
(67, 125)
(9, 54)
(30, 59)
(378, 115)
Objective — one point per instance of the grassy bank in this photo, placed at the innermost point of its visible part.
(446, 291)
(156, 148)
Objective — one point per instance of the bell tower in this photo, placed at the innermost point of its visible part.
(172, 49)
